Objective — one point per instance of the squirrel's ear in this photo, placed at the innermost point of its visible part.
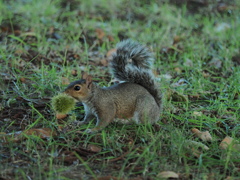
(84, 75)
(89, 81)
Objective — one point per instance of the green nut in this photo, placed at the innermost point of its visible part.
(63, 103)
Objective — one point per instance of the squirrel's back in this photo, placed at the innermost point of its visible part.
(125, 96)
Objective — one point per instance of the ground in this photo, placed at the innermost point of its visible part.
(47, 44)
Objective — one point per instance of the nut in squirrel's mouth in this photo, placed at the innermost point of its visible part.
(75, 99)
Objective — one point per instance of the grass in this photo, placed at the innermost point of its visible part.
(43, 41)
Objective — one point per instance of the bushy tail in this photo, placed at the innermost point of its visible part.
(132, 63)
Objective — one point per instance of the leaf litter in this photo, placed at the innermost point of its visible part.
(16, 114)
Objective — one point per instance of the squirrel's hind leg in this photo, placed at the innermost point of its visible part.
(147, 110)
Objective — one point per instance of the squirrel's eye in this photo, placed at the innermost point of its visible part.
(77, 88)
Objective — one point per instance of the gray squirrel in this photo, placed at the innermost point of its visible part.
(138, 97)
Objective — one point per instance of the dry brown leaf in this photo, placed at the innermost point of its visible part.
(51, 30)
(216, 63)
(205, 74)
(228, 142)
(22, 79)
(60, 127)
(100, 33)
(110, 38)
(178, 70)
(205, 136)
(194, 146)
(10, 137)
(94, 148)
(177, 39)
(76, 56)
(181, 82)
(109, 53)
(19, 51)
(104, 62)
(42, 132)
(61, 116)
(168, 174)
(198, 144)
(17, 136)
(188, 63)
(34, 34)
(65, 81)
(196, 113)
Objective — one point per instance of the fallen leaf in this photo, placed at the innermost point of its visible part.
(33, 34)
(110, 38)
(205, 136)
(226, 142)
(205, 74)
(22, 79)
(61, 116)
(65, 81)
(167, 174)
(19, 135)
(216, 63)
(222, 27)
(76, 56)
(11, 28)
(178, 70)
(19, 51)
(42, 132)
(10, 137)
(110, 53)
(100, 33)
(194, 146)
(229, 142)
(104, 62)
(181, 82)
(170, 50)
(196, 113)
(188, 63)
(177, 39)
(51, 30)
(94, 148)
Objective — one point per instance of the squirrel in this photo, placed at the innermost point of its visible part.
(137, 97)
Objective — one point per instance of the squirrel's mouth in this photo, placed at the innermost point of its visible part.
(75, 99)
